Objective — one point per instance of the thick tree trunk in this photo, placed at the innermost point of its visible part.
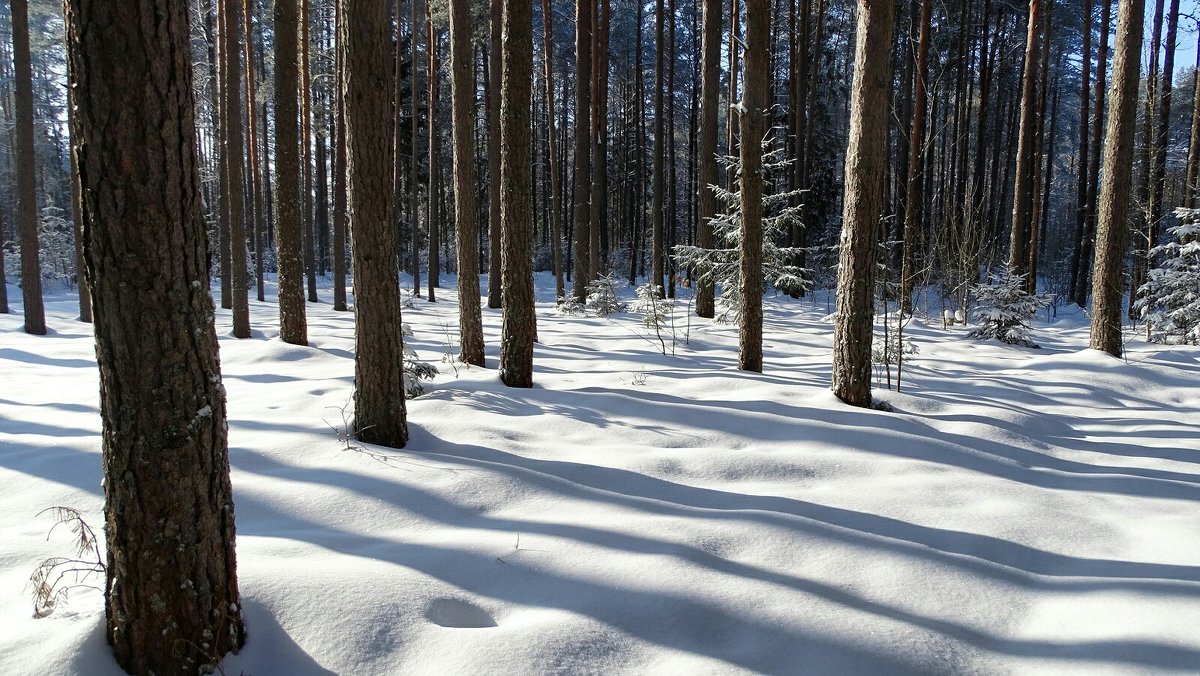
(172, 602)
(1112, 227)
(27, 211)
(462, 80)
(866, 160)
(519, 329)
(585, 11)
(753, 118)
(1098, 120)
(293, 326)
(365, 36)
(710, 68)
(234, 178)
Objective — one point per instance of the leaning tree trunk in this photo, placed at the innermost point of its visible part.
(710, 51)
(365, 36)
(172, 603)
(866, 164)
(293, 327)
(516, 184)
(462, 80)
(1112, 228)
(27, 217)
(753, 120)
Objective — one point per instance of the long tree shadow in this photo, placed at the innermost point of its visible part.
(610, 604)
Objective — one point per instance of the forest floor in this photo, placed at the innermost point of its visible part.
(1020, 510)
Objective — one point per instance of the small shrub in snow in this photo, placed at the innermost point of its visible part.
(571, 307)
(55, 577)
(1004, 309)
(655, 311)
(602, 297)
(1170, 299)
(415, 370)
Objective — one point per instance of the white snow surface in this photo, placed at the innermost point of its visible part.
(1020, 511)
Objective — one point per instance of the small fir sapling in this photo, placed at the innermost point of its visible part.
(602, 297)
(415, 370)
(1003, 310)
(720, 265)
(1170, 299)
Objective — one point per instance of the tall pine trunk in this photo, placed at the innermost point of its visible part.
(366, 42)
(171, 602)
(866, 164)
(752, 113)
(27, 211)
(1112, 229)
(293, 326)
(462, 80)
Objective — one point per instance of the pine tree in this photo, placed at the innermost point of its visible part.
(1170, 298)
(171, 603)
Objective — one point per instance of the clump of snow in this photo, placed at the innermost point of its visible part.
(1016, 514)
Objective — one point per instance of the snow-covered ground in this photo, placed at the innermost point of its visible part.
(1021, 510)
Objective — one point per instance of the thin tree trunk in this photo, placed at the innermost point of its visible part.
(234, 179)
(552, 154)
(585, 11)
(495, 290)
(1023, 188)
(27, 216)
(435, 263)
(656, 249)
(710, 52)
(1081, 185)
(916, 147)
(753, 119)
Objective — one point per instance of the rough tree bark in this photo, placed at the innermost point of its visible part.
(710, 68)
(518, 332)
(234, 178)
(293, 326)
(585, 10)
(866, 164)
(495, 297)
(1112, 229)
(366, 43)
(172, 601)
(462, 80)
(1023, 187)
(753, 120)
(27, 216)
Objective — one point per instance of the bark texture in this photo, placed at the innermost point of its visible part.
(27, 216)
(585, 11)
(753, 119)
(710, 69)
(172, 604)
(518, 332)
(365, 36)
(462, 74)
(234, 179)
(1112, 228)
(293, 326)
(866, 163)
